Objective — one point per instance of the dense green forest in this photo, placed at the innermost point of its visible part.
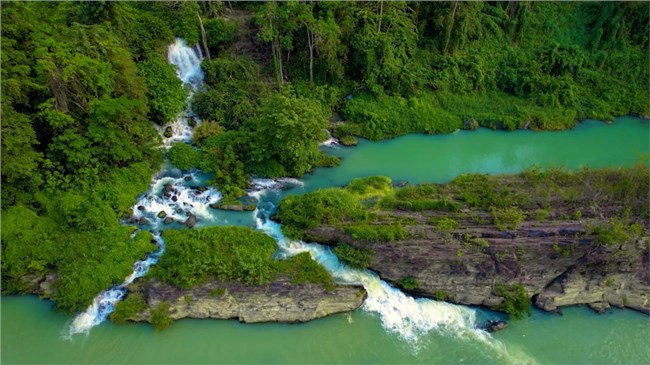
(84, 82)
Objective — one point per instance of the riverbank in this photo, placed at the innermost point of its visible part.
(555, 237)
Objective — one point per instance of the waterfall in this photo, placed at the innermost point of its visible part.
(173, 196)
(409, 318)
(188, 68)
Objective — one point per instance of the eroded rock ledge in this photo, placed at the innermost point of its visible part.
(556, 261)
(279, 301)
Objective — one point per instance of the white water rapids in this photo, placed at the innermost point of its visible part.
(172, 195)
(179, 197)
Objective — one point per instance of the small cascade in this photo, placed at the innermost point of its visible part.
(105, 302)
(187, 61)
(171, 199)
(331, 141)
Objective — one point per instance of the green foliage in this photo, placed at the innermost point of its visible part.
(615, 233)
(219, 33)
(446, 224)
(219, 292)
(440, 295)
(384, 117)
(226, 253)
(159, 316)
(369, 186)
(325, 206)
(515, 300)
(132, 305)
(325, 160)
(184, 156)
(165, 95)
(355, 257)
(205, 130)
(408, 283)
(376, 233)
(303, 269)
(287, 131)
(507, 218)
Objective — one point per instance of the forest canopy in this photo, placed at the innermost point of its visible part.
(83, 84)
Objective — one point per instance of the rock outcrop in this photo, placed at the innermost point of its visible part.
(279, 301)
(557, 262)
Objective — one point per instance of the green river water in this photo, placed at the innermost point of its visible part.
(31, 331)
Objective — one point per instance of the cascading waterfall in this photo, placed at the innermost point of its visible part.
(188, 68)
(409, 318)
(173, 195)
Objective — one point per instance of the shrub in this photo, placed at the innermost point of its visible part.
(355, 257)
(219, 33)
(302, 269)
(508, 218)
(515, 300)
(206, 130)
(373, 185)
(408, 283)
(159, 316)
(445, 224)
(376, 233)
(133, 304)
(325, 160)
(184, 156)
(325, 206)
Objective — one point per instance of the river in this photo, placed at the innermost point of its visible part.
(31, 331)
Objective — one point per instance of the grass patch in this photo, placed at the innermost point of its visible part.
(376, 233)
(352, 256)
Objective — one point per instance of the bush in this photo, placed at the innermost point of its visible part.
(159, 316)
(205, 130)
(408, 283)
(386, 117)
(219, 33)
(376, 233)
(129, 307)
(302, 269)
(355, 257)
(165, 93)
(325, 160)
(325, 206)
(445, 224)
(508, 218)
(373, 185)
(184, 156)
(515, 300)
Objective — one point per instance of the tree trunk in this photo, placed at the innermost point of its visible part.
(381, 11)
(450, 26)
(310, 43)
(204, 38)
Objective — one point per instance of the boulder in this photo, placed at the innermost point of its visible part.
(191, 122)
(168, 220)
(162, 214)
(400, 184)
(179, 210)
(214, 206)
(141, 207)
(168, 188)
(187, 178)
(168, 132)
(470, 124)
(495, 325)
(191, 221)
(174, 198)
(249, 207)
(143, 221)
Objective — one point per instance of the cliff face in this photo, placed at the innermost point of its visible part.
(556, 261)
(279, 301)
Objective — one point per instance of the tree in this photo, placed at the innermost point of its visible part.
(287, 132)
(165, 93)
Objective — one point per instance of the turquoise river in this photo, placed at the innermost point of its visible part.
(31, 330)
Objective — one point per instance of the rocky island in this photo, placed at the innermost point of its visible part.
(555, 237)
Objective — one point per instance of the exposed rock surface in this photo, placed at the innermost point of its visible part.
(556, 261)
(278, 301)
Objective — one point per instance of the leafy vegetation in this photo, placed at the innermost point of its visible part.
(376, 233)
(353, 256)
(230, 254)
(127, 308)
(159, 316)
(515, 300)
(408, 283)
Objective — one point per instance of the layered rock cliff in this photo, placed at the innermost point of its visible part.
(278, 301)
